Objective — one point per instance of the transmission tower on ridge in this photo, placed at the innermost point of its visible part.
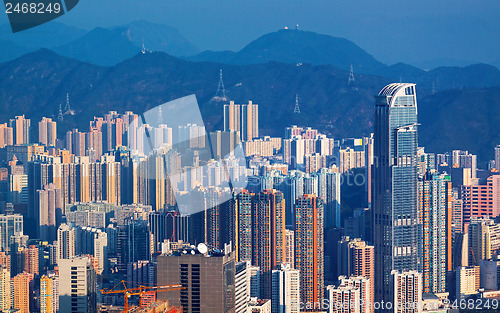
(221, 90)
(67, 108)
(351, 76)
(60, 116)
(296, 109)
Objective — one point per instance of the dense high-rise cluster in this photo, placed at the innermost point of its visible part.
(299, 223)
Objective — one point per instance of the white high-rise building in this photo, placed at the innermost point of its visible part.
(77, 286)
(65, 242)
(192, 136)
(285, 290)
(407, 292)
(364, 285)
(101, 250)
(241, 292)
(343, 299)
(329, 192)
(467, 281)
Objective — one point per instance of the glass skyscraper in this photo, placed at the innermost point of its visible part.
(395, 194)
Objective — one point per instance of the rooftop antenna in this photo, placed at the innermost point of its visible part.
(221, 91)
(296, 109)
(67, 108)
(160, 116)
(60, 116)
(351, 76)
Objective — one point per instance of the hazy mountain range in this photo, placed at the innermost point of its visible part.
(101, 46)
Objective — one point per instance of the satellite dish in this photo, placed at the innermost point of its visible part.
(202, 248)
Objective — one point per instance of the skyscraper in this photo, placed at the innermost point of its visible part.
(65, 242)
(435, 217)
(100, 250)
(243, 245)
(329, 192)
(77, 288)
(467, 281)
(21, 127)
(268, 246)
(208, 279)
(289, 248)
(286, 290)
(483, 239)
(10, 225)
(75, 142)
(46, 295)
(31, 260)
(133, 243)
(395, 205)
(242, 118)
(6, 135)
(49, 206)
(22, 296)
(352, 295)
(5, 289)
(343, 299)
(407, 292)
(309, 253)
(357, 259)
(47, 132)
(17, 192)
(481, 199)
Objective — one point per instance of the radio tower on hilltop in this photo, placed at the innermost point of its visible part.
(220, 95)
(296, 109)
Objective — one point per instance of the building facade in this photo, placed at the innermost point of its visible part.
(395, 203)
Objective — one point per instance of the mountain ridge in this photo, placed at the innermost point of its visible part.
(298, 46)
(327, 102)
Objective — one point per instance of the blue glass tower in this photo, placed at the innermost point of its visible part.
(395, 193)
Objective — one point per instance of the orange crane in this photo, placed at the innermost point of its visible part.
(137, 291)
(471, 251)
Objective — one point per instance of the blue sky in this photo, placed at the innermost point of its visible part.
(391, 30)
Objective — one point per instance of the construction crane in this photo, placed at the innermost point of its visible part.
(471, 251)
(140, 291)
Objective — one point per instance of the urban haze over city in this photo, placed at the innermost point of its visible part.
(259, 157)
